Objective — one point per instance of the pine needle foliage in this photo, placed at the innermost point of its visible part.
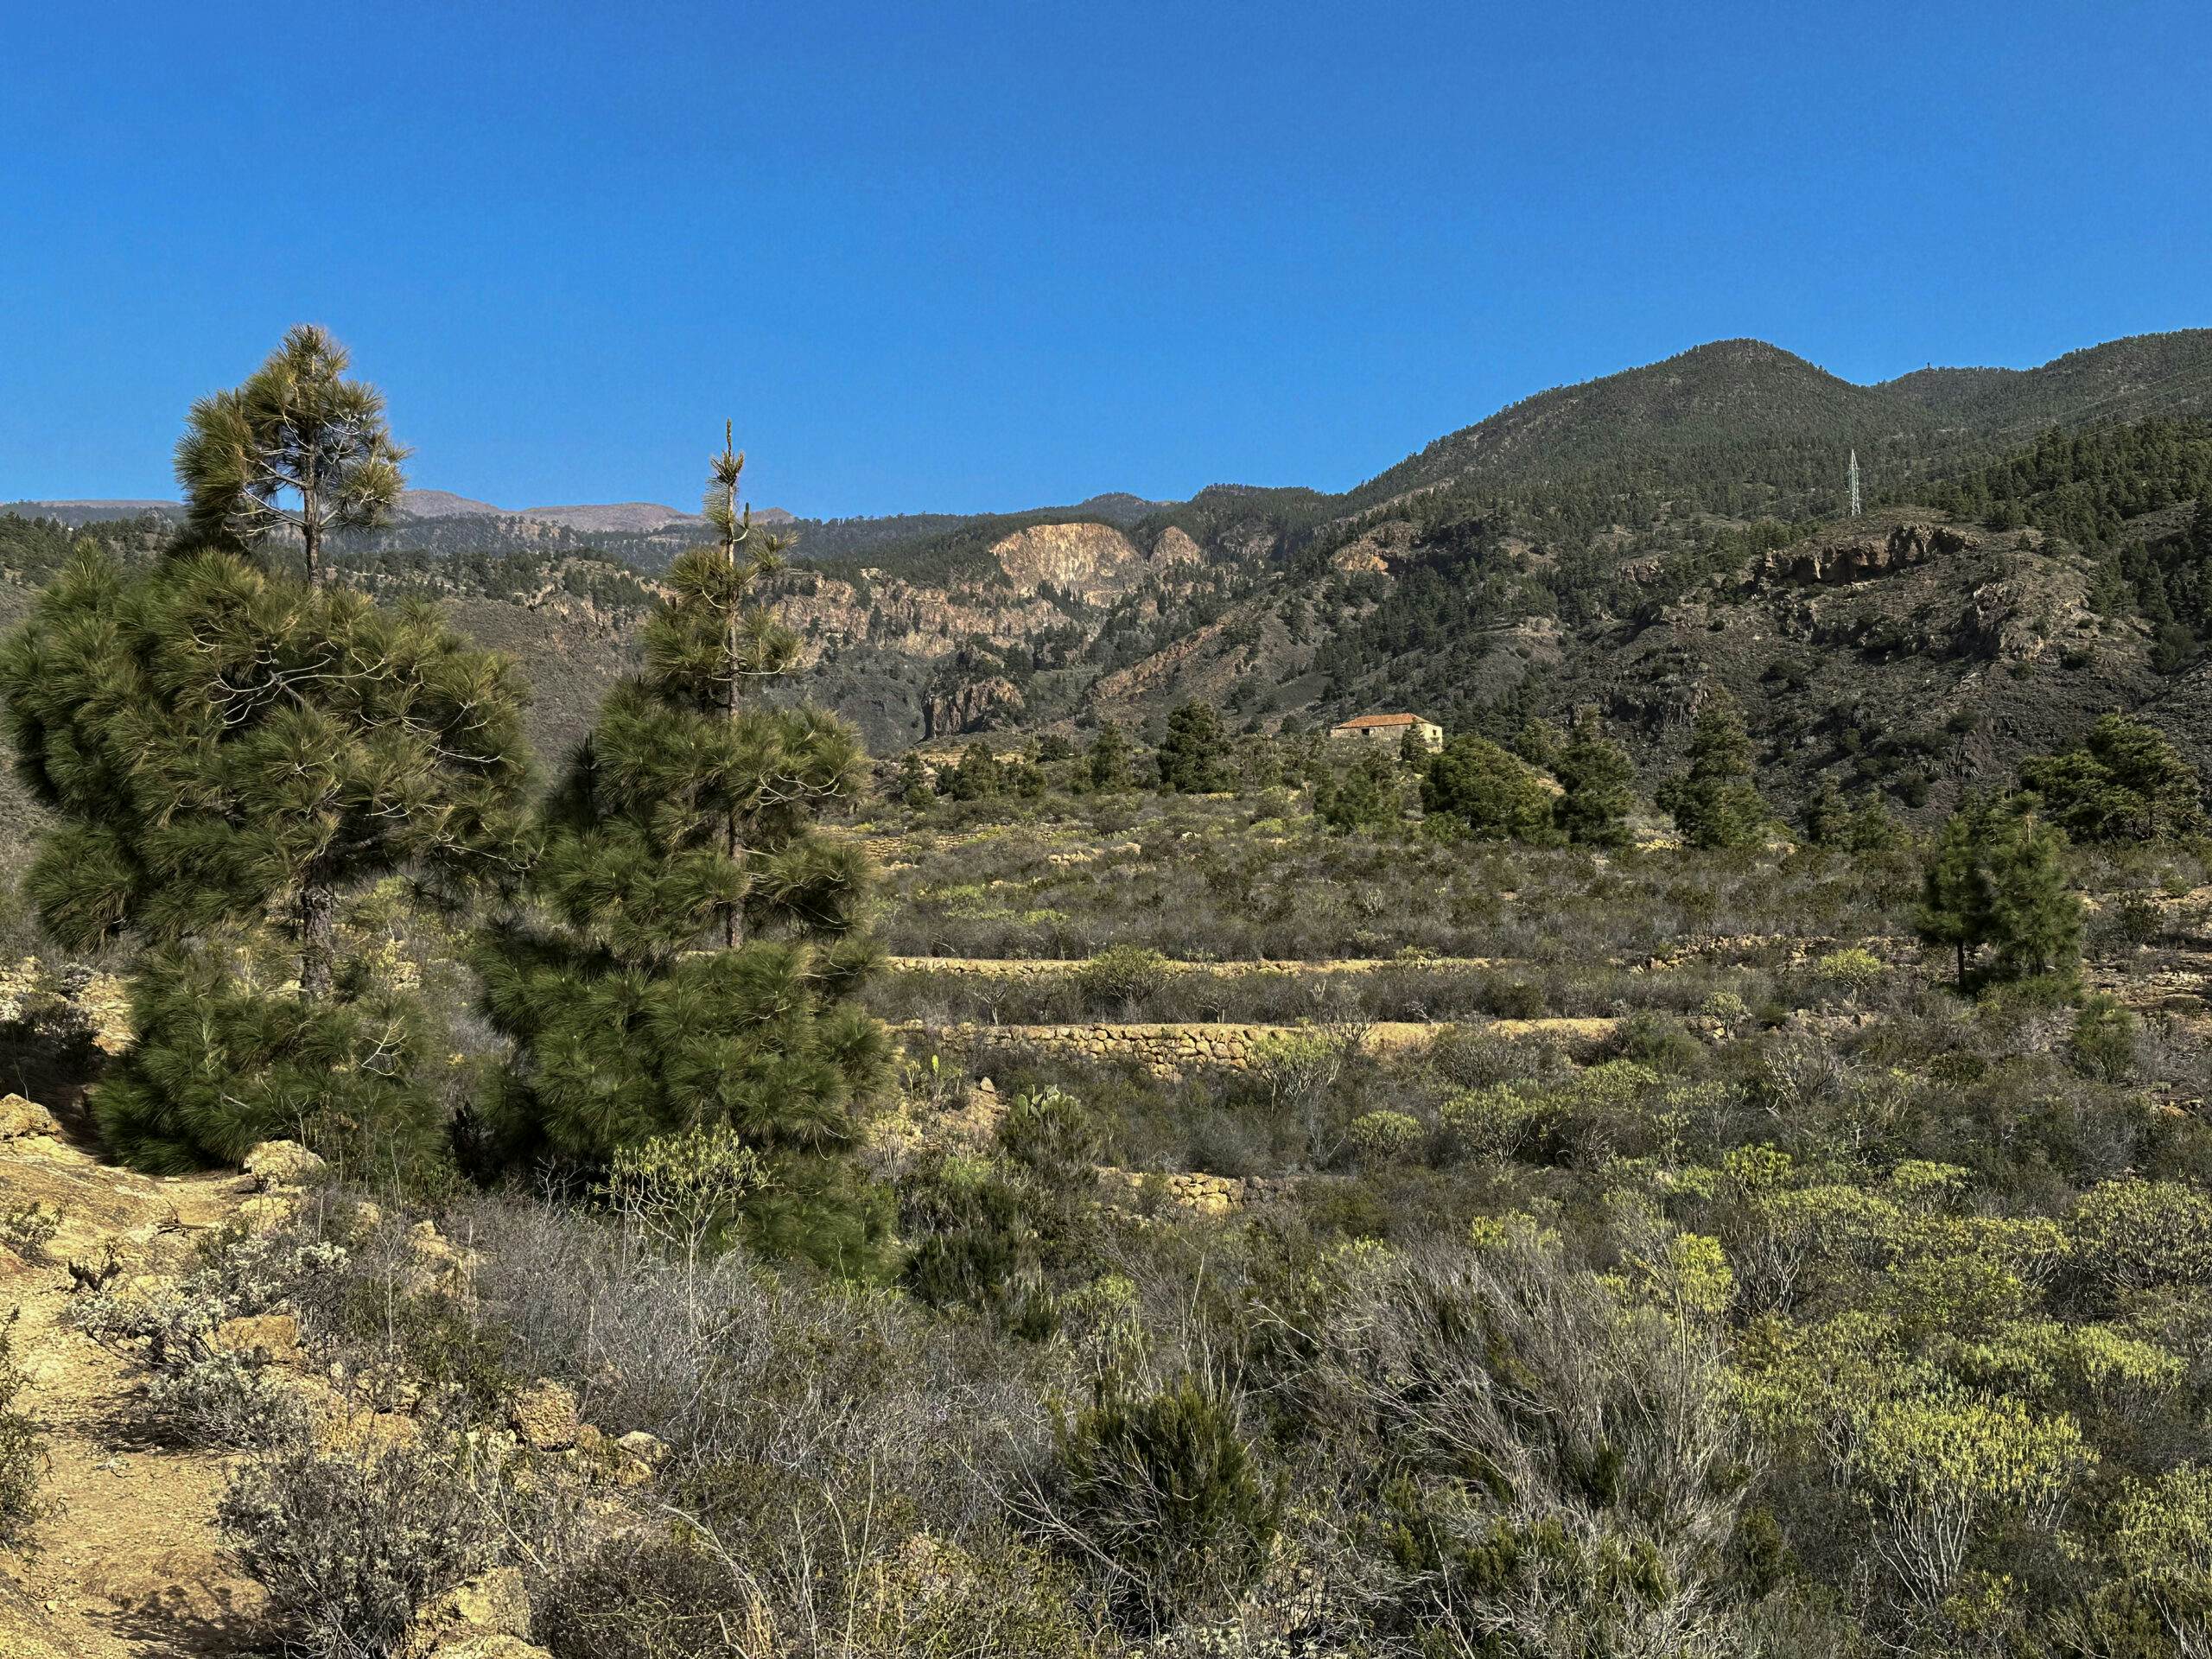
(228, 747)
(297, 447)
(230, 752)
(693, 942)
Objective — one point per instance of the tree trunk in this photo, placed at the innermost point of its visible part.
(732, 920)
(310, 524)
(318, 935)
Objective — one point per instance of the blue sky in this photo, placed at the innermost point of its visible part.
(966, 257)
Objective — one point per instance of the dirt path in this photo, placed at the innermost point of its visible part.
(128, 1563)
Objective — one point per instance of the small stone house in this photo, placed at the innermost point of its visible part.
(1389, 728)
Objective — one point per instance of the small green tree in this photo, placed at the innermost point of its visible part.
(2124, 781)
(230, 753)
(1995, 882)
(689, 821)
(1598, 786)
(977, 778)
(1874, 829)
(1193, 754)
(1476, 789)
(1110, 759)
(1827, 817)
(1366, 795)
(1539, 743)
(1716, 804)
(914, 786)
(297, 447)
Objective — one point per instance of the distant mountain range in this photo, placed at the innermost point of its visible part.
(620, 518)
(1622, 544)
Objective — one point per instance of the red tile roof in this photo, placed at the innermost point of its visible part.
(1369, 722)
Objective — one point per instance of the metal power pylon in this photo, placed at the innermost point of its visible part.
(1854, 483)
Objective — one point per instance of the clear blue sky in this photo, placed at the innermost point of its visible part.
(963, 256)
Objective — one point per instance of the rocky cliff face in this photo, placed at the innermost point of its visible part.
(1094, 563)
(976, 705)
(1832, 562)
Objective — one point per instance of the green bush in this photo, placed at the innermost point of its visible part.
(1384, 1137)
(23, 1457)
(2137, 1235)
(1160, 1497)
(1120, 975)
(1052, 1136)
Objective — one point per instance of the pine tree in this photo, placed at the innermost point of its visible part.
(1475, 788)
(1596, 780)
(1716, 804)
(298, 446)
(1538, 742)
(232, 752)
(2124, 781)
(1193, 751)
(1363, 796)
(1110, 759)
(1995, 882)
(1827, 817)
(977, 778)
(695, 942)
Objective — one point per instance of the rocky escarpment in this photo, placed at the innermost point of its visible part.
(976, 705)
(1094, 563)
(1832, 562)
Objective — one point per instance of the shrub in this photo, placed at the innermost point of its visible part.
(1053, 1135)
(1384, 1137)
(1160, 1497)
(2103, 1039)
(649, 1596)
(1121, 975)
(2136, 1235)
(1499, 1121)
(27, 1228)
(22, 1458)
(1853, 971)
(349, 1543)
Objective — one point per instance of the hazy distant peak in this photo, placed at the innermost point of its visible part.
(634, 517)
(440, 504)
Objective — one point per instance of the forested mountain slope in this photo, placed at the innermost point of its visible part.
(2033, 555)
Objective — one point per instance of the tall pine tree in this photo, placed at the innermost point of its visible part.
(695, 942)
(230, 752)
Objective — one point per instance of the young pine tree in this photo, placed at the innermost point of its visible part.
(696, 941)
(1995, 891)
(1193, 755)
(1110, 759)
(1476, 789)
(298, 446)
(1598, 785)
(230, 752)
(1715, 803)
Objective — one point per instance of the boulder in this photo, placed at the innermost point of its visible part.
(546, 1416)
(492, 1607)
(283, 1163)
(20, 1117)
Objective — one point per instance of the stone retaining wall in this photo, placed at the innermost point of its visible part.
(1045, 967)
(1178, 1050)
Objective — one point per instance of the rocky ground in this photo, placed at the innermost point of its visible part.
(128, 1563)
